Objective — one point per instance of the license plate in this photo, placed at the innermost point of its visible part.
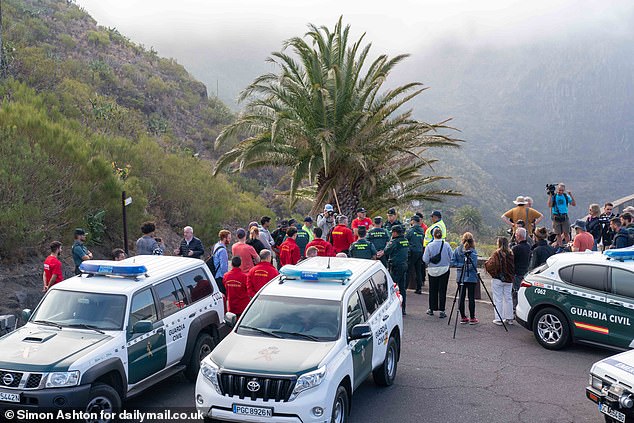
(9, 397)
(247, 410)
(609, 411)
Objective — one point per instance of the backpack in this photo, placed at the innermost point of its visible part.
(210, 262)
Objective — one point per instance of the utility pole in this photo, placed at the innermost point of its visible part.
(1, 45)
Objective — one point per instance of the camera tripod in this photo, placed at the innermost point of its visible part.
(460, 291)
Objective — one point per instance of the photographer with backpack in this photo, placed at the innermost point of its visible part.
(218, 261)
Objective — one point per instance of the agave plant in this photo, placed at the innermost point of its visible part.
(325, 117)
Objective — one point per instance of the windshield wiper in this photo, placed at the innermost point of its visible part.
(47, 323)
(85, 326)
(266, 332)
(301, 335)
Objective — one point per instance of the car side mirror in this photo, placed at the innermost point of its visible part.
(26, 314)
(231, 319)
(360, 331)
(143, 326)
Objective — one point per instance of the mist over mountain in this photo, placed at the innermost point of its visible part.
(540, 91)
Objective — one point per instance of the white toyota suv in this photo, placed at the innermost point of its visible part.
(308, 339)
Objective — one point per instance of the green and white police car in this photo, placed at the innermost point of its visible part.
(99, 338)
(611, 387)
(304, 344)
(584, 297)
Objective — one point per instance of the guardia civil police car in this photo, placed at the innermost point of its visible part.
(98, 338)
(304, 344)
(611, 387)
(585, 297)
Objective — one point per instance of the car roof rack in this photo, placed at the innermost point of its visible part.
(112, 268)
(291, 272)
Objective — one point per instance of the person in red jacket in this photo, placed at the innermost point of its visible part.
(361, 220)
(235, 282)
(324, 248)
(342, 236)
(261, 273)
(289, 250)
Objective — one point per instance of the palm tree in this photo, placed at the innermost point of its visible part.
(325, 118)
(468, 218)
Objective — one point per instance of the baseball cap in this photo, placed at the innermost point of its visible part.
(292, 222)
(360, 210)
(581, 224)
(415, 218)
(241, 233)
(378, 220)
(283, 223)
(436, 213)
(397, 228)
(308, 219)
(80, 231)
(391, 211)
(328, 207)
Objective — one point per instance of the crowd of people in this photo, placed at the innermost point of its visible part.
(414, 252)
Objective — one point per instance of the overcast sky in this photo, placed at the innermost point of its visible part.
(227, 41)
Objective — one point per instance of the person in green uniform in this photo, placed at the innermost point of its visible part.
(379, 237)
(302, 240)
(362, 248)
(392, 220)
(415, 236)
(397, 251)
(80, 252)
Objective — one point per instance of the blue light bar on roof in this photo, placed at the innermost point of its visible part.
(621, 253)
(111, 268)
(294, 272)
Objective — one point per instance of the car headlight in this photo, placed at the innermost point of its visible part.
(596, 383)
(308, 380)
(209, 370)
(61, 379)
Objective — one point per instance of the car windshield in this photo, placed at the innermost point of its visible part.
(77, 309)
(293, 318)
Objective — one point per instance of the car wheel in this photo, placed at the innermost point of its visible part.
(340, 406)
(203, 347)
(551, 329)
(103, 399)
(385, 374)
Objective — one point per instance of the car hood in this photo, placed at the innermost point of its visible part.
(269, 355)
(620, 367)
(32, 348)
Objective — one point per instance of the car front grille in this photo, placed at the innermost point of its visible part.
(10, 379)
(33, 381)
(249, 386)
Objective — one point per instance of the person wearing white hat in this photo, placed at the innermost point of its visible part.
(522, 211)
(326, 220)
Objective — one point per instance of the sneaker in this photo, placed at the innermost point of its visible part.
(474, 321)
(418, 291)
(498, 322)
(509, 321)
(431, 313)
(404, 313)
(442, 315)
(464, 321)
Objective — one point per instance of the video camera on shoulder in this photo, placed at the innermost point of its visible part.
(550, 189)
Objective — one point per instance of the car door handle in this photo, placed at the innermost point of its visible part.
(616, 303)
(385, 317)
(160, 330)
(564, 291)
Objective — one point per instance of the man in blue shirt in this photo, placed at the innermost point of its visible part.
(558, 203)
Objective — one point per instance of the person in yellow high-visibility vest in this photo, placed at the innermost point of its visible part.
(436, 222)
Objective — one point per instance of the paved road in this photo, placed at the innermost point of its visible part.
(484, 375)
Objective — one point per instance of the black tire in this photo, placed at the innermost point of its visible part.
(385, 374)
(340, 406)
(551, 329)
(104, 398)
(204, 345)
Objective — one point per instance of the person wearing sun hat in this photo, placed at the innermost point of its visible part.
(522, 211)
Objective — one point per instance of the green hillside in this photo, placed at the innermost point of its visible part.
(86, 114)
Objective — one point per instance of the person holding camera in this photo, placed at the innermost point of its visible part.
(607, 234)
(468, 279)
(558, 201)
(326, 221)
